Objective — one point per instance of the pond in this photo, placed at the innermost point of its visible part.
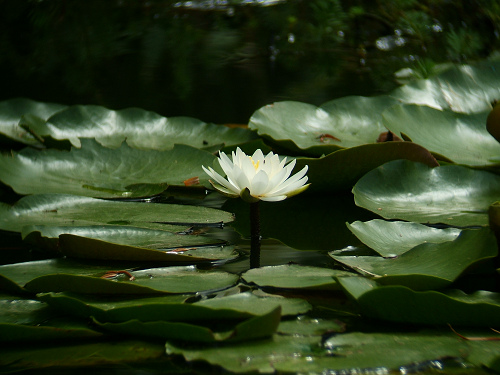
(118, 254)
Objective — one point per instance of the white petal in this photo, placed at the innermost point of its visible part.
(259, 184)
(275, 198)
(220, 180)
(258, 155)
(291, 181)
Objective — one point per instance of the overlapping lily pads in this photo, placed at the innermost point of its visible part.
(462, 138)
(393, 238)
(421, 268)
(401, 304)
(97, 171)
(72, 210)
(141, 129)
(411, 191)
(12, 111)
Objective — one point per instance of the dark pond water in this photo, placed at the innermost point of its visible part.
(219, 61)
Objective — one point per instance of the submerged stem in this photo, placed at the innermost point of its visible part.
(254, 235)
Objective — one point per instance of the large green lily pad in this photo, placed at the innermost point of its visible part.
(342, 353)
(141, 129)
(173, 308)
(253, 328)
(398, 303)
(11, 112)
(462, 138)
(411, 191)
(341, 123)
(71, 210)
(393, 238)
(422, 268)
(147, 281)
(97, 171)
(463, 88)
(293, 276)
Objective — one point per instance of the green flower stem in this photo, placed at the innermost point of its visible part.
(254, 235)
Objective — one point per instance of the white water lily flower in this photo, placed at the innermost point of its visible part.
(257, 177)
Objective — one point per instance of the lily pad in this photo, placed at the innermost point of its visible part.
(173, 308)
(341, 170)
(253, 328)
(11, 112)
(342, 353)
(393, 238)
(141, 129)
(411, 191)
(421, 267)
(26, 320)
(462, 138)
(147, 281)
(97, 171)
(293, 276)
(341, 123)
(71, 210)
(398, 303)
(463, 88)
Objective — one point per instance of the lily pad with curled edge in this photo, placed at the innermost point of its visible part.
(342, 123)
(147, 281)
(72, 210)
(293, 276)
(236, 307)
(450, 194)
(256, 327)
(462, 138)
(397, 303)
(97, 171)
(140, 128)
(463, 88)
(27, 320)
(393, 238)
(342, 353)
(421, 268)
(12, 111)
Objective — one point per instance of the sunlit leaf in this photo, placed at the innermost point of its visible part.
(464, 88)
(97, 171)
(141, 129)
(421, 267)
(462, 138)
(11, 112)
(393, 238)
(71, 210)
(341, 123)
(411, 191)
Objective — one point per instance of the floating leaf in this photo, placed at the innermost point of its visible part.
(341, 123)
(172, 308)
(340, 170)
(26, 320)
(141, 129)
(147, 281)
(342, 353)
(464, 88)
(411, 191)
(72, 210)
(401, 304)
(462, 138)
(11, 112)
(422, 268)
(97, 171)
(393, 238)
(292, 276)
(253, 328)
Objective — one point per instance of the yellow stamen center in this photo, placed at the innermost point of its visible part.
(255, 165)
